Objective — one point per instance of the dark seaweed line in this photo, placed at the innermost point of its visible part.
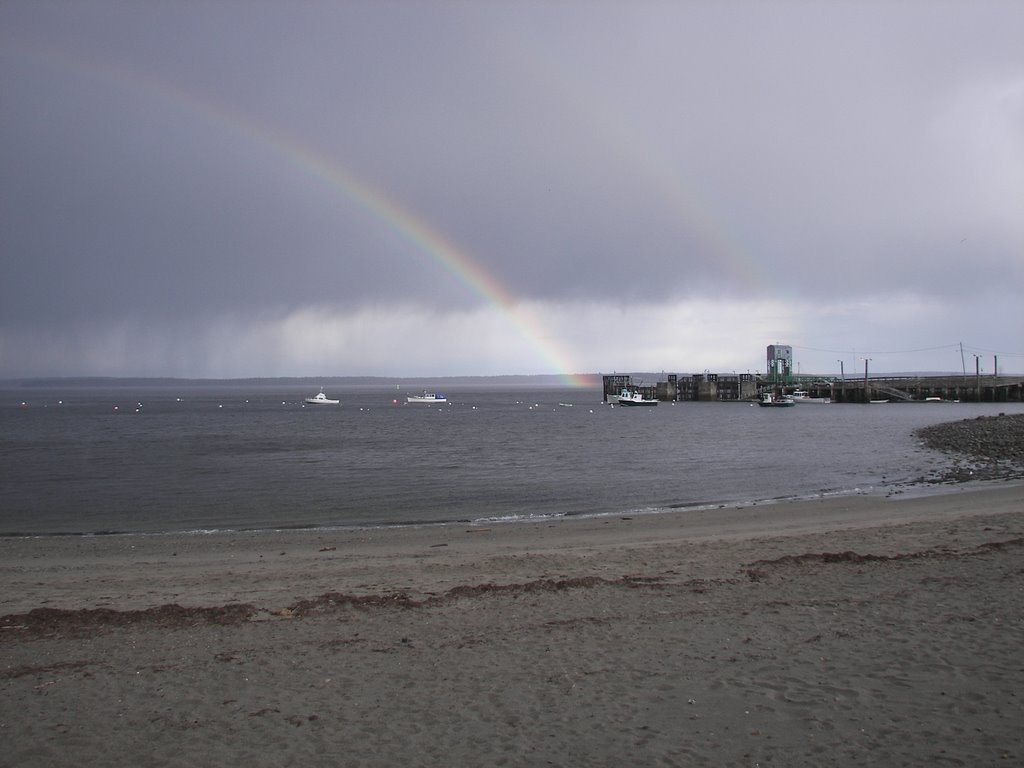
(56, 622)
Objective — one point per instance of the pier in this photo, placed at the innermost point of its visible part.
(966, 389)
(733, 387)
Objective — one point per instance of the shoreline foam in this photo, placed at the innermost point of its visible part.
(145, 571)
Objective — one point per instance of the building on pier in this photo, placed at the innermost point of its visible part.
(780, 363)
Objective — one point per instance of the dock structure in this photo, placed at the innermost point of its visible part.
(706, 387)
(966, 389)
(780, 380)
(733, 387)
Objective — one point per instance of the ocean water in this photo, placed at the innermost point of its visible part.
(230, 457)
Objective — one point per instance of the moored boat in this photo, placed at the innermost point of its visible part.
(803, 396)
(771, 400)
(427, 397)
(634, 398)
(321, 399)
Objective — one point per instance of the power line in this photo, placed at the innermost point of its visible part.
(993, 351)
(870, 352)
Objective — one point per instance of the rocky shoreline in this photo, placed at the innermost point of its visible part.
(985, 447)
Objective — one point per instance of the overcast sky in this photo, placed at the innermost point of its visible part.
(234, 189)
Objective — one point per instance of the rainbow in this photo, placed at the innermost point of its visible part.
(398, 219)
(426, 239)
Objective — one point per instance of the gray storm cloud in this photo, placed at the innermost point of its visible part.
(175, 167)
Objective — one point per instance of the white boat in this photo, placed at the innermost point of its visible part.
(803, 396)
(321, 399)
(427, 397)
(771, 400)
(634, 398)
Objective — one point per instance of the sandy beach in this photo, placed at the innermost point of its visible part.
(844, 631)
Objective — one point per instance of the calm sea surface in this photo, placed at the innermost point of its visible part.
(149, 459)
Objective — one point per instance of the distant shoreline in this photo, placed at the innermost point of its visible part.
(531, 380)
(513, 379)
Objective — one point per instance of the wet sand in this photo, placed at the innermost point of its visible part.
(846, 631)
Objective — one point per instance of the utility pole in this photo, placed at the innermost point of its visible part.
(977, 378)
(867, 396)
